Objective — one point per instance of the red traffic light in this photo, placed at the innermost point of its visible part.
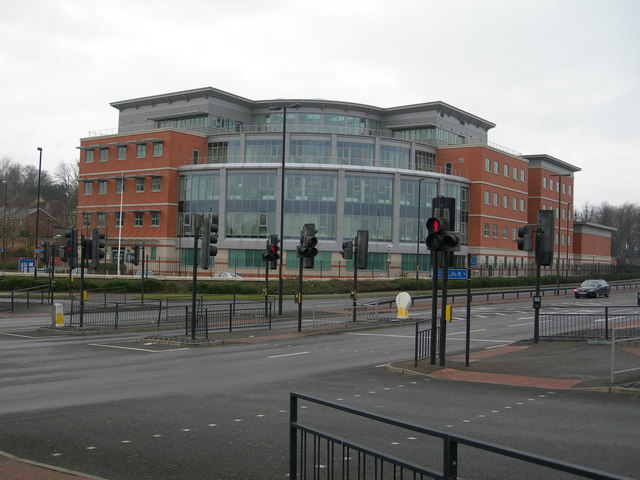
(274, 249)
(436, 225)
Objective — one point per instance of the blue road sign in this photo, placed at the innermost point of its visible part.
(455, 273)
(473, 261)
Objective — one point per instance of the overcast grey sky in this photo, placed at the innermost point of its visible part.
(557, 76)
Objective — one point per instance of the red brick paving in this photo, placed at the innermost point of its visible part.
(500, 378)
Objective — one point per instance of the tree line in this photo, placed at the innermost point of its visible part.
(625, 242)
(58, 195)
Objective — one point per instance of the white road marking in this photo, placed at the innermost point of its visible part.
(147, 350)
(379, 335)
(471, 331)
(16, 335)
(288, 354)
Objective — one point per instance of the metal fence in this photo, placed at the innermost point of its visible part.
(585, 326)
(230, 317)
(354, 444)
(625, 351)
(423, 342)
(24, 298)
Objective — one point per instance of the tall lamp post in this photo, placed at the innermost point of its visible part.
(284, 143)
(568, 219)
(4, 226)
(35, 256)
(559, 186)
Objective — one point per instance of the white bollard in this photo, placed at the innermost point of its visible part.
(403, 300)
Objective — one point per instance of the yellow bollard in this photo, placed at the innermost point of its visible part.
(403, 300)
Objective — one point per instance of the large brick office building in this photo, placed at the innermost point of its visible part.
(349, 166)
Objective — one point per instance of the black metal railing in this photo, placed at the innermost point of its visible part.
(228, 317)
(25, 298)
(586, 326)
(315, 453)
(423, 341)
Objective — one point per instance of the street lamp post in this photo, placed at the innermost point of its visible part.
(35, 256)
(4, 226)
(284, 143)
(559, 186)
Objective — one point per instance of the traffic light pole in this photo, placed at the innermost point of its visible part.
(300, 295)
(443, 313)
(194, 322)
(434, 307)
(266, 289)
(83, 254)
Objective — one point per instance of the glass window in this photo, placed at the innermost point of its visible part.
(310, 151)
(119, 185)
(522, 175)
(505, 231)
(522, 204)
(157, 149)
(102, 187)
(224, 152)
(506, 170)
(356, 153)
(496, 167)
(515, 203)
(487, 165)
(263, 150)
(104, 154)
(505, 201)
(88, 188)
(141, 150)
(119, 219)
(88, 156)
(392, 156)
(86, 220)
(515, 173)
(368, 206)
(486, 230)
(122, 152)
(495, 231)
(495, 199)
(487, 197)
(156, 184)
(425, 161)
(155, 219)
(251, 204)
(413, 214)
(102, 220)
(138, 219)
(544, 182)
(139, 185)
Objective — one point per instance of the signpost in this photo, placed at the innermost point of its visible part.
(455, 273)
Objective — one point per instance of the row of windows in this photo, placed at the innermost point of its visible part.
(138, 219)
(156, 186)
(565, 188)
(494, 231)
(516, 203)
(366, 203)
(507, 170)
(141, 152)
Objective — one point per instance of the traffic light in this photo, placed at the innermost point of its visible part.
(308, 241)
(45, 255)
(97, 248)
(72, 247)
(362, 252)
(347, 250)
(271, 252)
(136, 255)
(436, 230)
(525, 238)
(208, 247)
(63, 253)
(544, 237)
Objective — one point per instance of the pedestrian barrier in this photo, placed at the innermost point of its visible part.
(354, 444)
(586, 326)
(625, 351)
(25, 298)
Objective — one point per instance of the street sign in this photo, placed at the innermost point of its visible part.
(473, 261)
(455, 273)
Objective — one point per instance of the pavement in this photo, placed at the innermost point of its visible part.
(549, 365)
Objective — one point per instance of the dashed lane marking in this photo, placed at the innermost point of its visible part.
(288, 354)
(135, 349)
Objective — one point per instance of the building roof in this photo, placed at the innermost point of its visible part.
(542, 160)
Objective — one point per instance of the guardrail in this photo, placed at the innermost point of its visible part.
(625, 351)
(586, 326)
(315, 453)
(25, 298)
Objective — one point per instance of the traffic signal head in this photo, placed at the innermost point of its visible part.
(362, 253)
(347, 249)
(525, 238)
(97, 248)
(45, 255)
(72, 247)
(272, 252)
(544, 237)
(436, 230)
(308, 242)
(209, 241)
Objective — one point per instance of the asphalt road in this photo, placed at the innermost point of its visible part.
(113, 407)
